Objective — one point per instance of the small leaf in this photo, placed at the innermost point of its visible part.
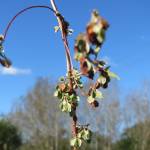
(56, 93)
(65, 106)
(97, 49)
(113, 75)
(102, 80)
(86, 134)
(72, 142)
(101, 36)
(99, 94)
(61, 79)
(70, 31)
(56, 28)
(76, 142)
(90, 99)
(78, 56)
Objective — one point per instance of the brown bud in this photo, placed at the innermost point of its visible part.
(84, 66)
(104, 24)
(1, 37)
(62, 86)
(90, 91)
(97, 85)
(95, 104)
(105, 85)
(92, 36)
(5, 63)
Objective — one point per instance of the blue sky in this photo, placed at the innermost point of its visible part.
(37, 51)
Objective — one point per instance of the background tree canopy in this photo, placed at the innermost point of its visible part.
(44, 127)
(10, 138)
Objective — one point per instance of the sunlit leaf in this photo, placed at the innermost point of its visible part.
(113, 75)
(56, 28)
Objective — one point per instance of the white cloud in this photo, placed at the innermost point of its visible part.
(14, 71)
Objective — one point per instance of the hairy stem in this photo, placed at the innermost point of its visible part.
(69, 63)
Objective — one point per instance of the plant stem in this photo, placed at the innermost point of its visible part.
(64, 37)
(22, 11)
(69, 63)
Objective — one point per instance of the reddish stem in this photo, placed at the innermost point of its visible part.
(20, 12)
(69, 64)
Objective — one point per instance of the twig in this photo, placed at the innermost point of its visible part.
(69, 62)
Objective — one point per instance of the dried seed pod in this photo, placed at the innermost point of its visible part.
(1, 37)
(82, 45)
(97, 85)
(92, 36)
(95, 104)
(104, 24)
(62, 86)
(5, 63)
(86, 68)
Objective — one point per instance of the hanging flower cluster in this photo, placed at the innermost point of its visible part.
(87, 47)
(4, 61)
(68, 95)
(83, 134)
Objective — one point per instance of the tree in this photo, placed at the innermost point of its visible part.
(87, 47)
(36, 114)
(132, 138)
(136, 115)
(10, 137)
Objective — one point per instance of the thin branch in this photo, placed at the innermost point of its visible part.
(69, 63)
(22, 11)
(64, 37)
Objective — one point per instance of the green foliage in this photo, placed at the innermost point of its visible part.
(68, 96)
(84, 134)
(10, 138)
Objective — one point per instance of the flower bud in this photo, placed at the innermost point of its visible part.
(62, 86)
(95, 104)
(5, 63)
(1, 37)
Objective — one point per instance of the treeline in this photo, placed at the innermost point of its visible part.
(116, 124)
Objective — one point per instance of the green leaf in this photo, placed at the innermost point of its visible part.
(80, 134)
(65, 106)
(102, 80)
(56, 93)
(97, 49)
(113, 75)
(76, 142)
(89, 65)
(72, 142)
(61, 79)
(86, 134)
(101, 36)
(56, 28)
(90, 99)
(80, 84)
(99, 94)
(78, 56)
